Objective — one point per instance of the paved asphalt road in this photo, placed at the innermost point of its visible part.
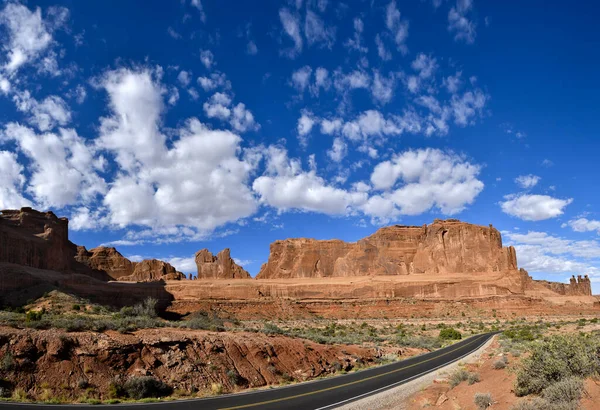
(322, 394)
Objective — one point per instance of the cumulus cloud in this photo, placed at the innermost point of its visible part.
(527, 181)
(382, 51)
(45, 115)
(286, 186)
(540, 252)
(199, 182)
(11, 182)
(213, 81)
(207, 58)
(62, 166)
(585, 225)
(301, 78)
(459, 23)
(427, 179)
(534, 207)
(356, 42)
(338, 150)
(220, 106)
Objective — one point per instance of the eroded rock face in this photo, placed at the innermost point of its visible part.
(106, 259)
(151, 270)
(220, 266)
(448, 246)
(36, 239)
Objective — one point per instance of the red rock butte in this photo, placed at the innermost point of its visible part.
(447, 260)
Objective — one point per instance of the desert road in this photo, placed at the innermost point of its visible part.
(315, 395)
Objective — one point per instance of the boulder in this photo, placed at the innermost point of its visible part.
(218, 267)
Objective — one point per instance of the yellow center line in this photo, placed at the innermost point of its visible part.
(262, 403)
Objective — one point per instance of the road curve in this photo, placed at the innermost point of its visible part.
(315, 395)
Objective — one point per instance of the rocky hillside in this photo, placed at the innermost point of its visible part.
(448, 246)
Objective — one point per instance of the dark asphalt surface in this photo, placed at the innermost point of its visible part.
(321, 394)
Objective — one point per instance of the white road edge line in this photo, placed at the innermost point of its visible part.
(332, 406)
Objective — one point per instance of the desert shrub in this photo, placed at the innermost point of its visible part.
(19, 395)
(499, 364)
(146, 309)
(557, 358)
(473, 378)
(233, 376)
(205, 321)
(8, 362)
(423, 342)
(450, 333)
(5, 391)
(33, 316)
(567, 390)
(76, 307)
(115, 389)
(271, 329)
(483, 400)
(146, 386)
(216, 389)
(458, 377)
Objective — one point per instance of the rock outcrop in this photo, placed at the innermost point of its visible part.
(218, 267)
(119, 267)
(448, 246)
(106, 259)
(41, 240)
(36, 239)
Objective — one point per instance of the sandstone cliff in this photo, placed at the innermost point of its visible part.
(218, 267)
(41, 240)
(36, 239)
(443, 247)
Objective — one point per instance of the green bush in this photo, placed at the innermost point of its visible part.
(33, 316)
(146, 309)
(76, 307)
(499, 364)
(450, 333)
(145, 386)
(483, 400)
(205, 321)
(557, 358)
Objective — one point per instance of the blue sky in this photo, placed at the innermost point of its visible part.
(166, 127)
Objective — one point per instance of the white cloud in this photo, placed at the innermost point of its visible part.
(468, 106)
(286, 186)
(301, 78)
(382, 51)
(62, 166)
(218, 106)
(185, 265)
(459, 24)
(158, 186)
(28, 34)
(338, 151)
(453, 82)
(207, 58)
(291, 26)
(425, 65)
(215, 80)
(84, 219)
(251, 48)
(305, 125)
(322, 81)
(370, 123)
(430, 178)
(534, 207)
(383, 88)
(198, 5)
(184, 78)
(527, 181)
(539, 252)
(331, 126)
(585, 225)
(45, 115)
(356, 42)
(397, 26)
(242, 119)
(355, 79)
(547, 163)
(316, 32)
(11, 182)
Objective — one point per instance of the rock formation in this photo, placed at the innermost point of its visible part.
(218, 267)
(36, 239)
(448, 246)
(106, 259)
(41, 240)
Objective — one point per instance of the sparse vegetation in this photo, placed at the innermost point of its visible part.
(483, 400)
(8, 362)
(450, 333)
(146, 386)
(473, 378)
